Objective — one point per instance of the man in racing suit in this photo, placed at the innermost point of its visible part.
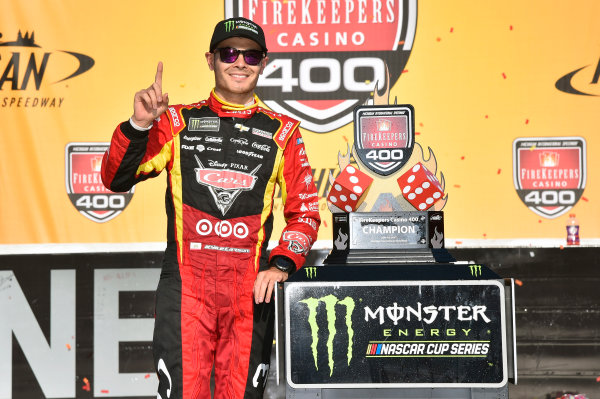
(224, 157)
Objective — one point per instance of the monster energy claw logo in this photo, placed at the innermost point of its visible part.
(475, 270)
(330, 302)
(311, 272)
(229, 26)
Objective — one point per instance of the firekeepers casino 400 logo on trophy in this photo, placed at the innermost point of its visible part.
(549, 173)
(327, 57)
(84, 183)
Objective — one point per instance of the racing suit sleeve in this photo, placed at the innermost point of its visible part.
(135, 155)
(300, 203)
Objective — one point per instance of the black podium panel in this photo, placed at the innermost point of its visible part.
(395, 333)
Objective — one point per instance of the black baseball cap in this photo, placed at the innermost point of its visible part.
(238, 27)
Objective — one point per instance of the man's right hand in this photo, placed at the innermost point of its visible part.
(149, 103)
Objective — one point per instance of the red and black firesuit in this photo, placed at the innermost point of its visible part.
(223, 162)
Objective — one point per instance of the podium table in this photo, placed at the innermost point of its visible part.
(396, 331)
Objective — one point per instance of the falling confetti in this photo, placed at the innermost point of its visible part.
(539, 220)
(562, 247)
(147, 376)
(421, 124)
(404, 71)
(518, 282)
(462, 158)
(86, 387)
(503, 75)
(401, 42)
(458, 242)
(104, 391)
(439, 39)
(418, 133)
(451, 30)
(484, 235)
(527, 121)
(511, 27)
(486, 117)
(532, 148)
(68, 347)
(325, 223)
(345, 139)
(499, 171)
(585, 199)
(457, 185)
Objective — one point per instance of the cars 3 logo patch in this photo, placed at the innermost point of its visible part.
(326, 57)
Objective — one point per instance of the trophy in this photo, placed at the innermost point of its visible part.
(405, 225)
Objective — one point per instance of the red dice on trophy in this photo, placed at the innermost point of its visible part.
(420, 187)
(349, 189)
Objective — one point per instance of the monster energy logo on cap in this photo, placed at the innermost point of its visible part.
(330, 302)
(229, 25)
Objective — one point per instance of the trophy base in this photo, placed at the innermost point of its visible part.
(389, 256)
(388, 238)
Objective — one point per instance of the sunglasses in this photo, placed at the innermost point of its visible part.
(229, 55)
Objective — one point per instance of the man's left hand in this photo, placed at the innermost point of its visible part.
(265, 284)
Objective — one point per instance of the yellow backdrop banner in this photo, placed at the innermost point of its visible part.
(482, 77)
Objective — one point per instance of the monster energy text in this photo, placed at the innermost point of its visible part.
(428, 314)
(229, 26)
(330, 302)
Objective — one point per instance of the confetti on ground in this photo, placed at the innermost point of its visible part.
(585, 199)
(457, 185)
(499, 171)
(86, 387)
(503, 75)
(68, 347)
(518, 282)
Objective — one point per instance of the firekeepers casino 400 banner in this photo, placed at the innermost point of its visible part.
(505, 122)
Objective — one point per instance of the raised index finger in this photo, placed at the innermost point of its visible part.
(159, 71)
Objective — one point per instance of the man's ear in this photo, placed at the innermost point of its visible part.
(263, 64)
(210, 59)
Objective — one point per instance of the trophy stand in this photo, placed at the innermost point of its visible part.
(390, 313)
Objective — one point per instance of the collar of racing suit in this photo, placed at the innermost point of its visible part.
(225, 109)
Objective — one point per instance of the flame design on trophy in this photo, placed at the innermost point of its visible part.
(379, 198)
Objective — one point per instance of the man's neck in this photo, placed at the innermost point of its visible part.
(242, 100)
